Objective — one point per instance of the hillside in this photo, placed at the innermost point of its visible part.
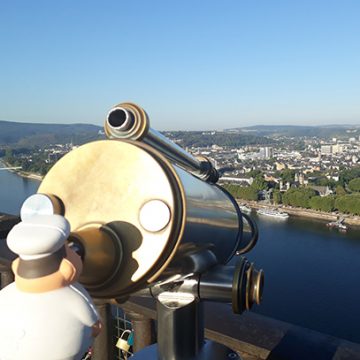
(199, 138)
(16, 134)
(339, 131)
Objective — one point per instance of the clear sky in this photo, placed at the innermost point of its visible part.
(192, 64)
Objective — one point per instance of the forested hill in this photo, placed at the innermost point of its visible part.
(339, 131)
(202, 139)
(16, 134)
(28, 135)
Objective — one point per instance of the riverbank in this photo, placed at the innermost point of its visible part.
(24, 174)
(351, 220)
(305, 213)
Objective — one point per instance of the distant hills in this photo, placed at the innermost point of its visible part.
(16, 134)
(221, 138)
(28, 135)
(326, 131)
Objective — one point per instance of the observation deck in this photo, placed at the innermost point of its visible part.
(253, 336)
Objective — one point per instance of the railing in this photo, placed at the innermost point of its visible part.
(122, 324)
(256, 337)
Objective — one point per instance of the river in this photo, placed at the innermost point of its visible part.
(311, 272)
(14, 190)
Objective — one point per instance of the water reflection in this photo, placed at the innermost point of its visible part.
(311, 274)
(14, 190)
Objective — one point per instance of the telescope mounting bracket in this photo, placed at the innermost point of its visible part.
(180, 318)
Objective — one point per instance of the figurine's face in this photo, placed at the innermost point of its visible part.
(68, 273)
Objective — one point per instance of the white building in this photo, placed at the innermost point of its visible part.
(326, 149)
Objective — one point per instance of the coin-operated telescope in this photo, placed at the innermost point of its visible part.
(150, 220)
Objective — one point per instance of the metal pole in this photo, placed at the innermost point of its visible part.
(180, 329)
(181, 333)
(103, 347)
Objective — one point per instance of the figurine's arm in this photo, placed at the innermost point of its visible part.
(85, 310)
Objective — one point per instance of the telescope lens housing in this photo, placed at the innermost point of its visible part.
(137, 214)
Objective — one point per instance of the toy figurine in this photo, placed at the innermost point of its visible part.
(45, 314)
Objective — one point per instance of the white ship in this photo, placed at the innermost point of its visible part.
(245, 208)
(273, 213)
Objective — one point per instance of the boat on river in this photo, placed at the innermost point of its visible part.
(245, 208)
(273, 213)
(338, 224)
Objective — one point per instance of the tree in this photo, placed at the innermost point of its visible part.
(324, 181)
(354, 184)
(347, 175)
(259, 183)
(326, 203)
(298, 197)
(340, 190)
(348, 204)
(255, 173)
(242, 192)
(277, 198)
(288, 175)
(8, 153)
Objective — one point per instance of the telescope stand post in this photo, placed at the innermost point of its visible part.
(180, 324)
(180, 327)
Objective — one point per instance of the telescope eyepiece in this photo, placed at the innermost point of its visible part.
(121, 119)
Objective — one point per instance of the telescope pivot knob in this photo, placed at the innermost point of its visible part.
(248, 284)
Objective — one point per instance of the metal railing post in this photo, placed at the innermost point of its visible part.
(103, 347)
(144, 330)
(7, 277)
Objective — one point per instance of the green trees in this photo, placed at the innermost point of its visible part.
(354, 184)
(324, 181)
(298, 197)
(277, 198)
(249, 192)
(288, 175)
(8, 154)
(339, 190)
(255, 173)
(199, 138)
(347, 175)
(242, 192)
(34, 164)
(326, 203)
(304, 198)
(259, 183)
(348, 204)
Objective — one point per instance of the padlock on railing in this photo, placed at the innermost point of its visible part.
(125, 344)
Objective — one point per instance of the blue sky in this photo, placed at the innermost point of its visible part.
(191, 64)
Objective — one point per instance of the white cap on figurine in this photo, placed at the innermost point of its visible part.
(38, 236)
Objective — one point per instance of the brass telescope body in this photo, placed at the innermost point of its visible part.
(138, 215)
